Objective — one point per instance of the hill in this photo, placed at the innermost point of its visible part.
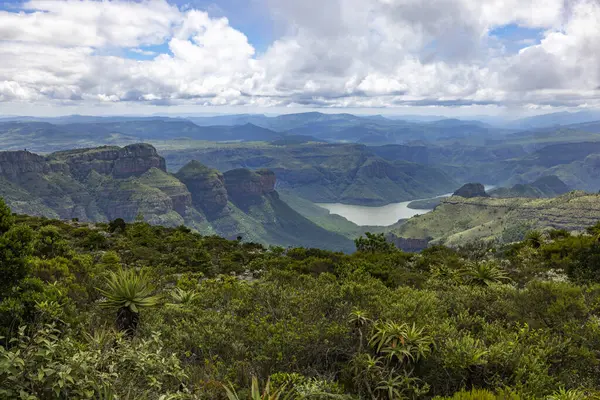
(106, 183)
(546, 186)
(459, 220)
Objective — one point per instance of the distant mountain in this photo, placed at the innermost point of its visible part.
(248, 127)
(546, 186)
(46, 137)
(105, 183)
(362, 129)
(555, 119)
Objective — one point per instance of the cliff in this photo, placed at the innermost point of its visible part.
(326, 173)
(245, 187)
(207, 187)
(546, 186)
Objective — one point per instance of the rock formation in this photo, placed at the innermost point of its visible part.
(246, 187)
(470, 190)
(207, 187)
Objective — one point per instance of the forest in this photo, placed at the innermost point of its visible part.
(135, 311)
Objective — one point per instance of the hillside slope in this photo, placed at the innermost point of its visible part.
(458, 220)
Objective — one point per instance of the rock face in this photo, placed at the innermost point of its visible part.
(180, 197)
(546, 186)
(470, 190)
(14, 164)
(245, 186)
(207, 187)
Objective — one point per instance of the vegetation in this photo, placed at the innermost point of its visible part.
(459, 220)
(135, 311)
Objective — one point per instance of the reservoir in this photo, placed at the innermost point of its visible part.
(378, 216)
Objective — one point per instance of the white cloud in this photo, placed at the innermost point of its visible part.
(351, 53)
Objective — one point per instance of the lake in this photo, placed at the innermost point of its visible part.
(378, 216)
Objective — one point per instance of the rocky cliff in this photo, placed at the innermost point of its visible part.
(245, 187)
(546, 186)
(207, 188)
(470, 190)
(15, 164)
(326, 173)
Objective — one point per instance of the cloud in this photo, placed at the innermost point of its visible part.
(144, 52)
(351, 53)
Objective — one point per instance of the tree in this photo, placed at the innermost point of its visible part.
(6, 218)
(128, 292)
(15, 247)
(117, 225)
(49, 243)
(374, 243)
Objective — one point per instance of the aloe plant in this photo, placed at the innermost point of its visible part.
(255, 394)
(127, 292)
(485, 274)
(182, 296)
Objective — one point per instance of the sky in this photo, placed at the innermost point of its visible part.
(442, 57)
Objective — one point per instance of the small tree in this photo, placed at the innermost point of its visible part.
(374, 243)
(117, 225)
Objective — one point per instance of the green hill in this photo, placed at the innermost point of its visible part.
(460, 220)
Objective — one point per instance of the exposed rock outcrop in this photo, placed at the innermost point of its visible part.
(245, 186)
(470, 190)
(207, 187)
(181, 198)
(546, 186)
(14, 164)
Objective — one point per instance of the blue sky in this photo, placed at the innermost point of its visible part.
(515, 37)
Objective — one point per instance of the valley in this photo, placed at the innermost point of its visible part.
(318, 183)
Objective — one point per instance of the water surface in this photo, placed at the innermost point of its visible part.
(378, 216)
